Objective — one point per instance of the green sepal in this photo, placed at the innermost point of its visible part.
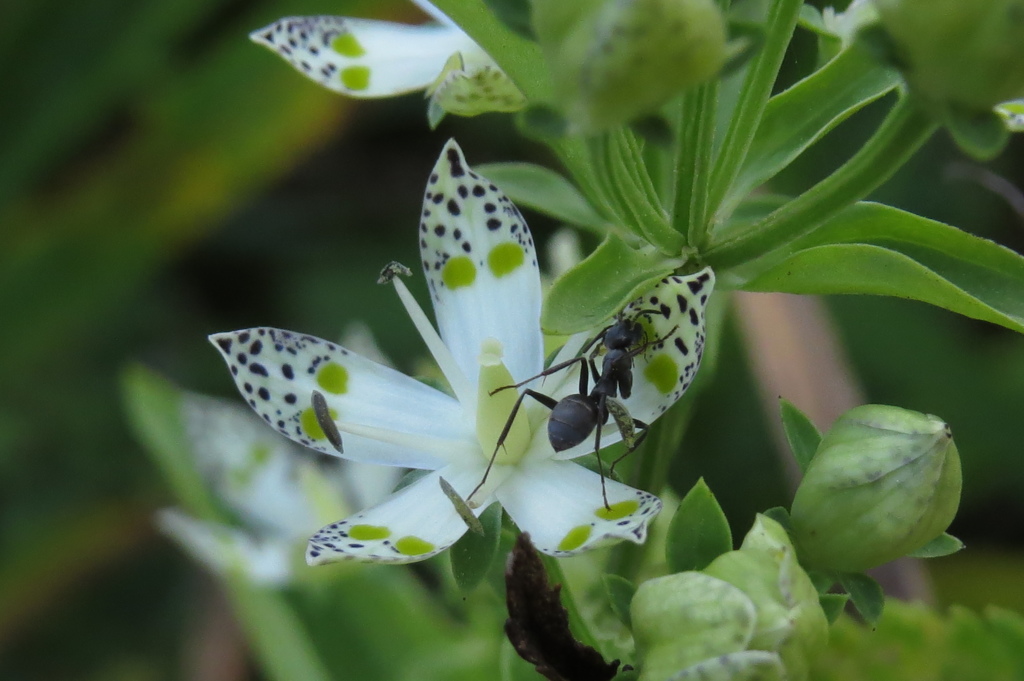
(822, 581)
(980, 134)
(607, 280)
(780, 515)
(699, 531)
(473, 555)
(542, 123)
(154, 412)
(943, 545)
(869, 248)
(833, 605)
(866, 594)
(620, 594)
(515, 15)
(802, 435)
(545, 191)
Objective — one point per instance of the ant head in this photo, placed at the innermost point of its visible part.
(624, 333)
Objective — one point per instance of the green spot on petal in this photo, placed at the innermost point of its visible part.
(333, 378)
(458, 272)
(259, 454)
(368, 532)
(619, 510)
(575, 538)
(356, 77)
(505, 258)
(413, 546)
(662, 372)
(347, 45)
(310, 425)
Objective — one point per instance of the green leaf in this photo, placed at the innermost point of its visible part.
(875, 249)
(979, 134)
(620, 594)
(833, 605)
(154, 412)
(699, 531)
(545, 191)
(866, 595)
(803, 436)
(822, 581)
(943, 545)
(797, 118)
(473, 555)
(542, 123)
(606, 281)
(515, 14)
(780, 515)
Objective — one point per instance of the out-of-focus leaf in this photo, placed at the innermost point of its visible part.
(605, 282)
(802, 435)
(473, 555)
(833, 605)
(699, 531)
(980, 134)
(620, 593)
(545, 191)
(795, 119)
(876, 249)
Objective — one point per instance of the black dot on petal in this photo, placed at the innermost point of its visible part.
(287, 371)
(263, 393)
(290, 398)
(453, 207)
(439, 230)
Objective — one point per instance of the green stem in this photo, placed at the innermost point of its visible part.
(694, 150)
(519, 58)
(907, 127)
(577, 622)
(757, 89)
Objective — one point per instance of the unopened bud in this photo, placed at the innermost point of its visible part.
(884, 482)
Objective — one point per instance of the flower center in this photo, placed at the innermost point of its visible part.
(493, 410)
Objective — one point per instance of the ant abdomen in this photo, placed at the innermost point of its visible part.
(572, 420)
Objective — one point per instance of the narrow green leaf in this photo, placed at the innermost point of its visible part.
(980, 134)
(803, 436)
(699, 531)
(798, 117)
(943, 545)
(605, 282)
(154, 412)
(866, 595)
(833, 605)
(620, 594)
(473, 555)
(278, 636)
(545, 191)
(875, 249)
(822, 581)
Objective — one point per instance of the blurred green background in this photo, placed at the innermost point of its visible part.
(161, 178)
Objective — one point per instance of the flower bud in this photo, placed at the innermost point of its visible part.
(753, 613)
(967, 53)
(883, 483)
(615, 60)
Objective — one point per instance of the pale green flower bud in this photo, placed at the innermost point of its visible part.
(615, 60)
(752, 614)
(884, 482)
(967, 53)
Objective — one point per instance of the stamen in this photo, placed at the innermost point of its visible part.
(326, 423)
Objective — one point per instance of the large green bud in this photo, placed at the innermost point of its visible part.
(965, 53)
(752, 614)
(883, 483)
(615, 60)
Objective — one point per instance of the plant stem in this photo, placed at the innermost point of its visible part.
(905, 129)
(757, 88)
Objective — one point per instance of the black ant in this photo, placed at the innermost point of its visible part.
(575, 417)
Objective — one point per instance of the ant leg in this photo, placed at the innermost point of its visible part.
(602, 408)
(547, 372)
(643, 429)
(543, 399)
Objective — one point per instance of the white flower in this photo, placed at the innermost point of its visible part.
(278, 493)
(369, 59)
(481, 267)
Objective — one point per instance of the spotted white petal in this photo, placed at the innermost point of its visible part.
(471, 84)
(673, 314)
(481, 267)
(227, 550)
(258, 474)
(363, 58)
(1012, 113)
(560, 504)
(411, 525)
(385, 417)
